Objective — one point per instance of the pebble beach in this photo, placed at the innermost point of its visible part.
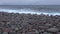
(15, 23)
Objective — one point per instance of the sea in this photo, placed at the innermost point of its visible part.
(31, 9)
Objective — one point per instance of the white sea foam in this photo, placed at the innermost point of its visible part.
(27, 11)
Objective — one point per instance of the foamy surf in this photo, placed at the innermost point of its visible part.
(27, 11)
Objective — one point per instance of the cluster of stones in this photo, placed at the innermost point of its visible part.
(14, 23)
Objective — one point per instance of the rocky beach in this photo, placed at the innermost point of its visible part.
(14, 23)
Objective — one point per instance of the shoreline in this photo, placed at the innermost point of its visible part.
(38, 13)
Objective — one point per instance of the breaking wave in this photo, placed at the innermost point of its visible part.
(27, 11)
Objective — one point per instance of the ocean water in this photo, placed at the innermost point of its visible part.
(31, 9)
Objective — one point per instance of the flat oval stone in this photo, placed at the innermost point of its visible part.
(5, 33)
(47, 33)
(52, 30)
(58, 32)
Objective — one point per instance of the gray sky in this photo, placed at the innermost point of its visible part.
(29, 2)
